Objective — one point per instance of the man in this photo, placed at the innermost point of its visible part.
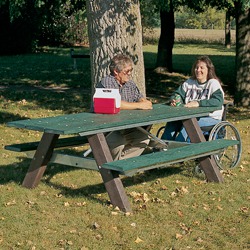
(128, 142)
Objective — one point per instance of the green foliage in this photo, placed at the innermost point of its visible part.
(64, 23)
(211, 19)
(150, 15)
(27, 23)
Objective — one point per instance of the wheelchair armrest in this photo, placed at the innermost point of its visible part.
(226, 105)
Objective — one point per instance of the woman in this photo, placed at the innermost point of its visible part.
(202, 89)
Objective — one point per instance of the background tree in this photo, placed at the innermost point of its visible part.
(115, 27)
(242, 18)
(242, 97)
(166, 41)
(167, 9)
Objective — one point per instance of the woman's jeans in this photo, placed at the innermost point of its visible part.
(174, 131)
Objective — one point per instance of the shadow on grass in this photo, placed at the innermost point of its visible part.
(7, 117)
(16, 173)
(69, 100)
(90, 191)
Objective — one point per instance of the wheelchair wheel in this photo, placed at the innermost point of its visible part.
(160, 132)
(228, 157)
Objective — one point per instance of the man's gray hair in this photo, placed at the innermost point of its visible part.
(119, 62)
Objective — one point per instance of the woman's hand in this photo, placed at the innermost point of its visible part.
(193, 104)
(173, 103)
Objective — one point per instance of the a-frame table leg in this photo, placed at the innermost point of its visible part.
(40, 160)
(207, 164)
(112, 182)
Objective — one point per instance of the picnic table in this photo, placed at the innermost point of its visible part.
(90, 127)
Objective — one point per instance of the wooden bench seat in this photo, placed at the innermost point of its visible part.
(61, 142)
(59, 158)
(174, 155)
(77, 56)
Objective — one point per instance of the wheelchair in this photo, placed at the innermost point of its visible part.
(227, 158)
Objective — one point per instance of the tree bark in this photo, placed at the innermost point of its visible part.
(114, 27)
(242, 97)
(166, 41)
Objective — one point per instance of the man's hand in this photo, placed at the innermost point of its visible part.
(144, 104)
(141, 104)
(193, 104)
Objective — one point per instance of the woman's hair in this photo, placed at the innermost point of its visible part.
(211, 70)
(119, 62)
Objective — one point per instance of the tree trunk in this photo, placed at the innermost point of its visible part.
(166, 41)
(242, 97)
(228, 30)
(115, 27)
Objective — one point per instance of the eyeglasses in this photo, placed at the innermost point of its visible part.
(128, 71)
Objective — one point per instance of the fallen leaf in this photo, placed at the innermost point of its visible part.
(66, 204)
(98, 237)
(81, 204)
(138, 197)
(178, 236)
(184, 190)
(158, 181)
(96, 225)
(158, 200)
(186, 230)
(143, 206)
(197, 222)
(180, 213)
(117, 208)
(173, 194)
(199, 239)
(244, 209)
(219, 208)
(70, 243)
(206, 207)
(10, 203)
(138, 240)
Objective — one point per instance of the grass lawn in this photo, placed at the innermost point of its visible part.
(172, 208)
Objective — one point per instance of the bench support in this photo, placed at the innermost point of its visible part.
(40, 160)
(110, 178)
(207, 164)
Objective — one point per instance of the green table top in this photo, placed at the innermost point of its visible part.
(91, 123)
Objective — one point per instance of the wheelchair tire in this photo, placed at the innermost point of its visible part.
(228, 157)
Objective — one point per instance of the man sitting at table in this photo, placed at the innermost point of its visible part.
(128, 142)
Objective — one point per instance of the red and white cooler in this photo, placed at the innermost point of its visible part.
(107, 101)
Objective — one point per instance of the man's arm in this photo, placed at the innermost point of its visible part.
(141, 104)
